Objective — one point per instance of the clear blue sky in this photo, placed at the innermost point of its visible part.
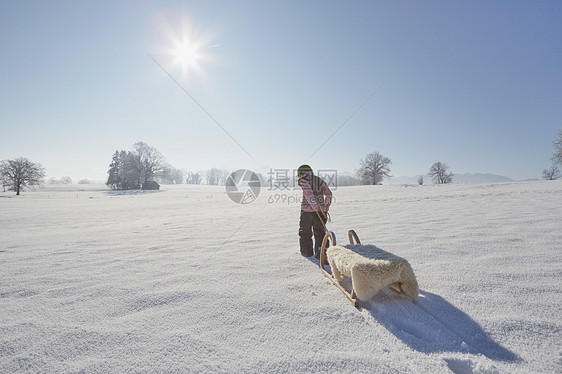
(475, 84)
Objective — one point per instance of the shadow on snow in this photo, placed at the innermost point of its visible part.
(430, 325)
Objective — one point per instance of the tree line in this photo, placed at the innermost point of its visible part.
(374, 168)
(133, 170)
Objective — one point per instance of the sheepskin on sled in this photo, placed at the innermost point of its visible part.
(371, 269)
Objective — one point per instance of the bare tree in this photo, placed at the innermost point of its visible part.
(63, 180)
(374, 168)
(66, 180)
(440, 174)
(420, 180)
(175, 176)
(178, 175)
(171, 175)
(552, 173)
(193, 178)
(20, 173)
(150, 162)
(557, 156)
(216, 177)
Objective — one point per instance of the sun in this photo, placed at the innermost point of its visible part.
(186, 55)
(184, 46)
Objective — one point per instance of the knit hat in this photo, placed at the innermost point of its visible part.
(303, 169)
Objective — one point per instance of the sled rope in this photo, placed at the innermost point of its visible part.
(326, 216)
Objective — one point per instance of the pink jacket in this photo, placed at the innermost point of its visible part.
(316, 193)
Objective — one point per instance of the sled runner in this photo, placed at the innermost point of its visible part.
(332, 237)
(370, 269)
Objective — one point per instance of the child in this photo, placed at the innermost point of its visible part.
(316, 201)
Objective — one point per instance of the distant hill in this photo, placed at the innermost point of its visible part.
(480, 178)
(457, 178)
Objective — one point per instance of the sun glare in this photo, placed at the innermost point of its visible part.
(186, 54)
(184, 48)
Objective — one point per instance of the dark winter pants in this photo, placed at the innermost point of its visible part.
(310, 223)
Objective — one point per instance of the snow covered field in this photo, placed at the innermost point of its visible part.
(184, 280)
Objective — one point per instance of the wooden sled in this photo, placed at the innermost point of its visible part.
(352, 297)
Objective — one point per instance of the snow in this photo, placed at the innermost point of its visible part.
(185, 280)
